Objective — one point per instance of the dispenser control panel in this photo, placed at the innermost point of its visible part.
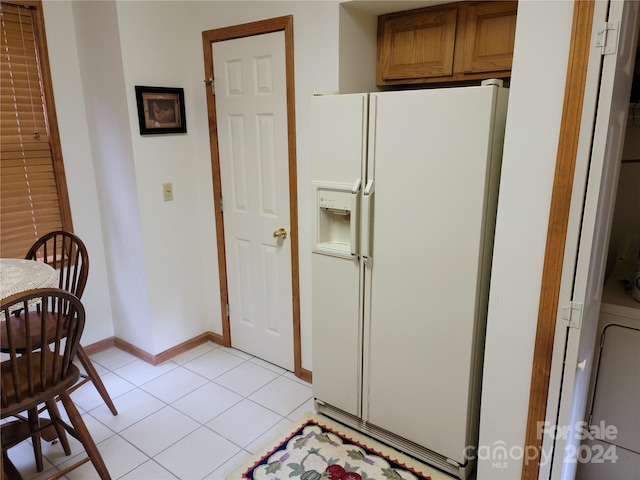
(335, 222)
(333, 200)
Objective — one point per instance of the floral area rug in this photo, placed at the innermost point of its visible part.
(317, 448)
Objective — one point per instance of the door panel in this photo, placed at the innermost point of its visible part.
(427, 280)
(584, 278)
(336, 301)
(337, 332)
(251, 109)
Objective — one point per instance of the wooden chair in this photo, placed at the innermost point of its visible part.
(67, 253)
(41, 370)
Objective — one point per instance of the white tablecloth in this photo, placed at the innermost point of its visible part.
(18, 275)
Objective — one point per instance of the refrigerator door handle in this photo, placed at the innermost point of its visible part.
(355, 220)
(357, 186)
(367, 212)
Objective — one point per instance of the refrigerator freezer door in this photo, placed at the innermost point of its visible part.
(338, 138)
(337, 332)
(338, 143)
(424, 307)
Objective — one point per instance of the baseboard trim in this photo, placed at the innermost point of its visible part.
(216, 338)
(149, 357)
(305, 375)
(99, 346)
(135, 351)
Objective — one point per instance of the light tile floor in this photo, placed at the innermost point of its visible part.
(197, 416)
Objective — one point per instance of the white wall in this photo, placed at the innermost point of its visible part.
(533, 122)
(79, 168)
(358, 48)
(183, 301)
(101, 69)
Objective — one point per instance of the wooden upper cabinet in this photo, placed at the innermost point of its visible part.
(454, 42)
(419, 45)
(489, 36)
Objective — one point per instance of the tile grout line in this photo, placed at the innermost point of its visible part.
(241, 451)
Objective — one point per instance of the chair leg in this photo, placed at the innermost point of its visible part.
(95, 378)
(34, 427)
(8, 468)
(54, 413)
(84, 436)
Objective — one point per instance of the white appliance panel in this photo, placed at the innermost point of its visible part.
(337, 333)
(338, 137)
(431, 175)
(617, 393)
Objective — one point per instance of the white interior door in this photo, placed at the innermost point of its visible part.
(251, 110)
(599, 200)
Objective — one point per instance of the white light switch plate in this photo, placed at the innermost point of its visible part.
(167, 192)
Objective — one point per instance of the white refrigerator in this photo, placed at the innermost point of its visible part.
(405, 187)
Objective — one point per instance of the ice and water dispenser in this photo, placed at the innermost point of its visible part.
(336, 219)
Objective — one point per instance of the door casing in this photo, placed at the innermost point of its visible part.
(557, 272)
(285, 24)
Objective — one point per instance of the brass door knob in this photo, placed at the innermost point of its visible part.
(280, 233)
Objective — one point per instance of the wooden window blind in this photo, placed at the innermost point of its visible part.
(33, 193)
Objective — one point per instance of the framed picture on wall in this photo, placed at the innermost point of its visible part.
(160, 110)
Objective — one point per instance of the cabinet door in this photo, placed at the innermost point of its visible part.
(489, 36)
(416, 45)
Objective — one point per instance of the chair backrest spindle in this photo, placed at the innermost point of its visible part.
(66, 253)
(51, 321)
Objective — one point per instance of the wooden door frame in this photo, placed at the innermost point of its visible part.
(557, 229)
(278, 24)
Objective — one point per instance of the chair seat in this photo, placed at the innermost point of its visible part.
(12, 404)
(19, 330)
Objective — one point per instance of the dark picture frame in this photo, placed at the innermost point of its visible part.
(160, 110)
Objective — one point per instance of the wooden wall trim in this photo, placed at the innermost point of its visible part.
(285, 24)
(207, 38)
(99, 346)
(293, 199)
(150, 357)
(557, 228)
(170, 353)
